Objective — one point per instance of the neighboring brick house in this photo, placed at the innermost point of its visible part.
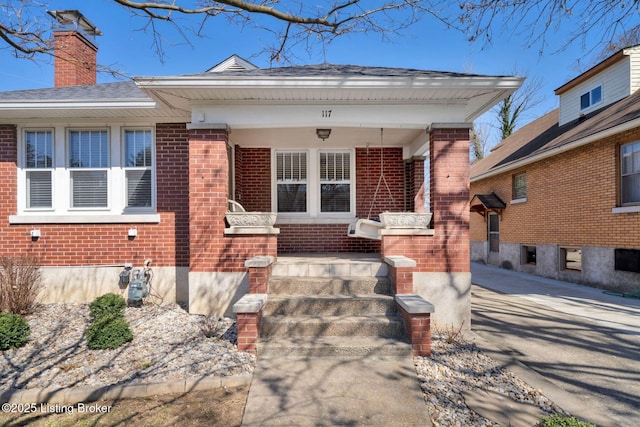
(568, 185)
(98, 175)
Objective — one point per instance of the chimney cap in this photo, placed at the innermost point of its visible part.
(73, 19)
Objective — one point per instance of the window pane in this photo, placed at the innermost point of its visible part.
(138, 148)
(334, 167)
(88, 149)
(335, 198)
(584, 101)
(520, 186)
(596, 95)
(138, 188)
(38, 149)
(631, 188)
(39, 189)
(627, 159)
(292, 198)
(89, 189)
(291, 166)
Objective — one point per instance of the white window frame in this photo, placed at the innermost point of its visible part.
(590, 93)
(622, 174)
(71, 169)
(152, 169)
(313, 214)
(62, 211)
(23, 182)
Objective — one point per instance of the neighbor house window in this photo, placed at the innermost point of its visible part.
(291, 181)
(335, 182)
(630, 173)
(593, 97)
(571, 259)
(138, 162)
(519, 186)
(529, 255)
(89, 164)
(38, 151)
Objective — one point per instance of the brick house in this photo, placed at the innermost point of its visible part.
(561, 196)
(98, 175)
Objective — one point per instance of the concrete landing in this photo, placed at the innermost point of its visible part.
(328, 391)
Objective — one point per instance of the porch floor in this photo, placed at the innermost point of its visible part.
(345, 264)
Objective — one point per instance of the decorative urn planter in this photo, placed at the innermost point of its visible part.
(405, 219)
(251, 219)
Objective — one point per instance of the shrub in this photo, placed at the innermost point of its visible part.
(109, 305)
(14, 331)
(563, 421)
(20, 284)
(108, 332)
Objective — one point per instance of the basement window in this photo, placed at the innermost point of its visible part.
(571, 259)
(528, 255)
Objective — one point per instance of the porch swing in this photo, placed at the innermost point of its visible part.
(368, 228)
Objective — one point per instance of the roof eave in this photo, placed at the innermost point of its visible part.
(555, 151)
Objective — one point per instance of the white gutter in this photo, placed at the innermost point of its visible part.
(566, 147)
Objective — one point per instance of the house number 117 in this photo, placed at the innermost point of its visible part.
(326, 113)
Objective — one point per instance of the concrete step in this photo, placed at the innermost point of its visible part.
(329, 285)
(362, 325)
(329, 305)
(327, 265)
(300, 347)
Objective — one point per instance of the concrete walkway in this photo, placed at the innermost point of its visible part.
(579, 346)
(329, 391)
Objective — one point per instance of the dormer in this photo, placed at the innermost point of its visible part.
(615, 78)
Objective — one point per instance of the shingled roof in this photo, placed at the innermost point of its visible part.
(104, 91)
(544, 137)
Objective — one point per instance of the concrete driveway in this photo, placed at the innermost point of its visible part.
(579, 346)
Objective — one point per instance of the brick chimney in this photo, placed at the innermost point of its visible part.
(74, 49)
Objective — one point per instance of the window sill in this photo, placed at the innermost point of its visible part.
(315, 220)
(84, 219)
(516, 201)
(626, 209)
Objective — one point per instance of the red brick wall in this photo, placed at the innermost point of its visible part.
(448, 249)
(75, 59)
(253, 178)
(211, 250)
(368, 175)
(569, 200)
(167, 243)
(321, 238)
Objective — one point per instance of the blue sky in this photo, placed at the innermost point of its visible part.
(427, 45)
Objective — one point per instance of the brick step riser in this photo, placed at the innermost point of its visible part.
(329, 307)
(388, 328)
(320, 286)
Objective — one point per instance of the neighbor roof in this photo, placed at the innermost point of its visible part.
(544, 137)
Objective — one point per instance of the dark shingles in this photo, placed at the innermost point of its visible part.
(100, 92)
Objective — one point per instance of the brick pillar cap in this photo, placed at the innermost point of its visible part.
(399, 261)
(414, 304)
(250, 303)
(259, 261)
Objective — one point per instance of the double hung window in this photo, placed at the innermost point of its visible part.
(38, 150)
(593, 97)
(630, 173)
(92, 171)
(311, 183)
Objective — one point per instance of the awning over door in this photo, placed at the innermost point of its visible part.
(484, 203)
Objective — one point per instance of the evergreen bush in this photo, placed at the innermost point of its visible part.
(108, 332)
(14, 331)
(109, 305)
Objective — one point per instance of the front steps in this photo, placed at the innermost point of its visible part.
(331, 315)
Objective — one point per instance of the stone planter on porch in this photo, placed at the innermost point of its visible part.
(251, 223)
(405, 220)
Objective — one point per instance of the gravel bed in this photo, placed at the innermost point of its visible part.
(456, 365)
(171, 344)
(168, 344)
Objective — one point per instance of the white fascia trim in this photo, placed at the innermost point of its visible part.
(202, 81)
(570, 146)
